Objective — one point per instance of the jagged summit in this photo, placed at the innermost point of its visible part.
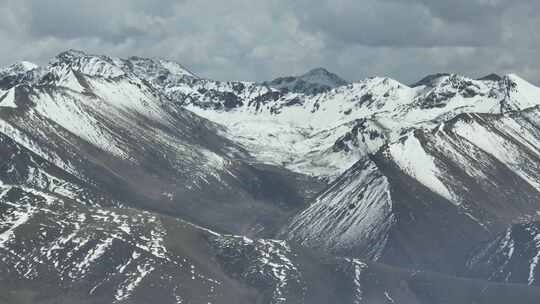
(429, 79)
(18, 68)
(72, 53)
(438, 78)
(152, 70)
(158, 68)
(18, 73)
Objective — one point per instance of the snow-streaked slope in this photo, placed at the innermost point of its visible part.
(512, 257)
(411, 157)
(513, 140)
(23, 72)
(110, 182)
(95, 118)
(106, 255)
(466, 179)
(300, 131)
(520, 93)
(8, 99)
(17, 68)
(485, 164)
(297, 129)
(54, 250)
(353, 214)
(393, 107)
(23, 168)
(19, 71)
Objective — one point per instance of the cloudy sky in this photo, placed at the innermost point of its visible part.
(262, 39)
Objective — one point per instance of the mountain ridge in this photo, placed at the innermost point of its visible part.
(165, 185)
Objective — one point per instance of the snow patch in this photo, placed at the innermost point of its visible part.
(8, 99)
(411, 157)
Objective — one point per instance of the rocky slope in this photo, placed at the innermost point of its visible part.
(324, 134)
(467, 180)
(136, 180)
(512, 256)
(53, 250)
(96, 119)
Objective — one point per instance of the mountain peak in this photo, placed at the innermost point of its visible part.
(176, 68)
(318, 71)
(19, 68)
(430, 79)
(18, 73)
(323, 77)
(72, 53)
(159, 70)
(89, 64)
(27, 65)
(314, 81)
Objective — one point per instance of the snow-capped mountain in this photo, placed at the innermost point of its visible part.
(302, 131)
(18, 73)
(467, 179)
(135, 180)
(54, 248)
(60, 243)
(95, 118)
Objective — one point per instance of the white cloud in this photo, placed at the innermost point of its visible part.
(257, 40)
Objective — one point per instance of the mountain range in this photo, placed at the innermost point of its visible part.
(135, 180)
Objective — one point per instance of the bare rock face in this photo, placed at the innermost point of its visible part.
(511, 257)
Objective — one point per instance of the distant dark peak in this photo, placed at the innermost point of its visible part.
(71, 53)
(491, 77)
(141, 59)
(138, 58)
(323, 76)
(315, 81)
(318, 71)
(430, 79)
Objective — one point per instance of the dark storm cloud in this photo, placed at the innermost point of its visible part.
(110, 20)
(256, 39)
(400, 23)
